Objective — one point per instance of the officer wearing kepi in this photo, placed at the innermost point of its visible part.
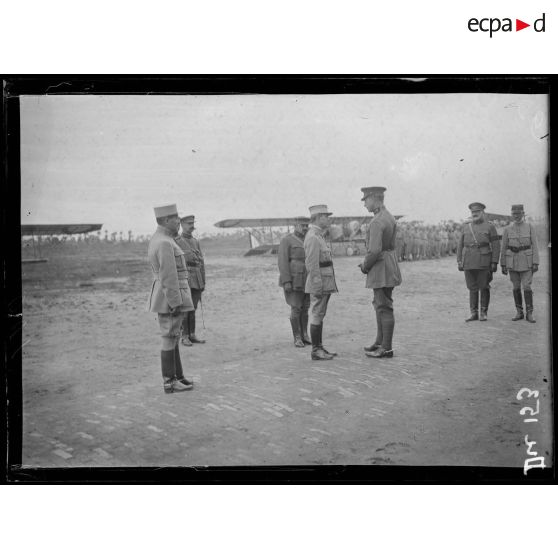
(170, 294)
(478, 252)
(381, 269)
(520, 258)
(320, 281)
(196, 276)
(292, 278)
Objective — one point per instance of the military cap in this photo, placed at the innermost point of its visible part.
(475, 206)
(517, 207)
(368, 191)
(187, 218)
(302, 220)
(319, 210)
(165, 210)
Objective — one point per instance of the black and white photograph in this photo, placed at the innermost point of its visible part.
(307, 277)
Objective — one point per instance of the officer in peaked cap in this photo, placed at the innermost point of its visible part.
(320, 279)
(292, 279)
(381, 269)
(520, 258)
(196, 276)
(170, 294)
(478, 252)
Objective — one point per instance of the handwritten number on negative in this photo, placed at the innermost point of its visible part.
(532, 393)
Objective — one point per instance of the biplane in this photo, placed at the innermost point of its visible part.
(49, 230)
(346, 235)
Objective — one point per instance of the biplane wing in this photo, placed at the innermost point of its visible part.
(286, 221)
(345, 230)
(44, 230)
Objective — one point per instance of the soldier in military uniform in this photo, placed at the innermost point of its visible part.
(381, 269)
(170, 294)
(292, 278)
(196, 277)
(520, 258)
(320, 281)
(478, 252)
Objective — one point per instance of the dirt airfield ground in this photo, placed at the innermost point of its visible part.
(92, 388)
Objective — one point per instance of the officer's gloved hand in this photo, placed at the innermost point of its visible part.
(494, 267)
(288, 287)
(504, 270)
(535, 268)
(459, 266)
(362, 269)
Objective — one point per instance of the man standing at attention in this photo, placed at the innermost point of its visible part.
(292, 278)
(196, 276)
(320, 281)
(478, 252)
(170, 294)
(381, 269)
(520, 257)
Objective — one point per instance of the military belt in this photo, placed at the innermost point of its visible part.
(516, 249)
(326, 264)
(192, 264)
(477, 245)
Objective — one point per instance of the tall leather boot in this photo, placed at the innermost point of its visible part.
(388, 325)
(192, 328)
(332, 353)
(295, 326)
(304, 327)
(485, 302)
(474, 306)
(529, 306)
(185, 340)
(518, 305)
(170, 384)
(179, 373)
(379, 335)
(318, 352)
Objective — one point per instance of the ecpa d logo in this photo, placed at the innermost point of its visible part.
(493, 25)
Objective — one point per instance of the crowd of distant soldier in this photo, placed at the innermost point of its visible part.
(417, 241)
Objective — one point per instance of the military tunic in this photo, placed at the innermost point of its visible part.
(319, 264)
(291, 264)
(194, 260)
(320, 281)
(292, 269)
(170, 293)
(196, 278)
(380, 262)
(477, 249)
(519, 252)
(170, 289)
(382, 273)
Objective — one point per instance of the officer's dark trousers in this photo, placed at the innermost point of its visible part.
(385, 320)
(189, 322)
(478, 280)
(299, 301)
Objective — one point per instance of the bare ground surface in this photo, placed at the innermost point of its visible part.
(92, 387)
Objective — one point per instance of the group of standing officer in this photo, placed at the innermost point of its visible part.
(307, 276)
(478, 253)
(178, 280)
(308, 279)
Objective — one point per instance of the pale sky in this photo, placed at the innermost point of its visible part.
(111, 159)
